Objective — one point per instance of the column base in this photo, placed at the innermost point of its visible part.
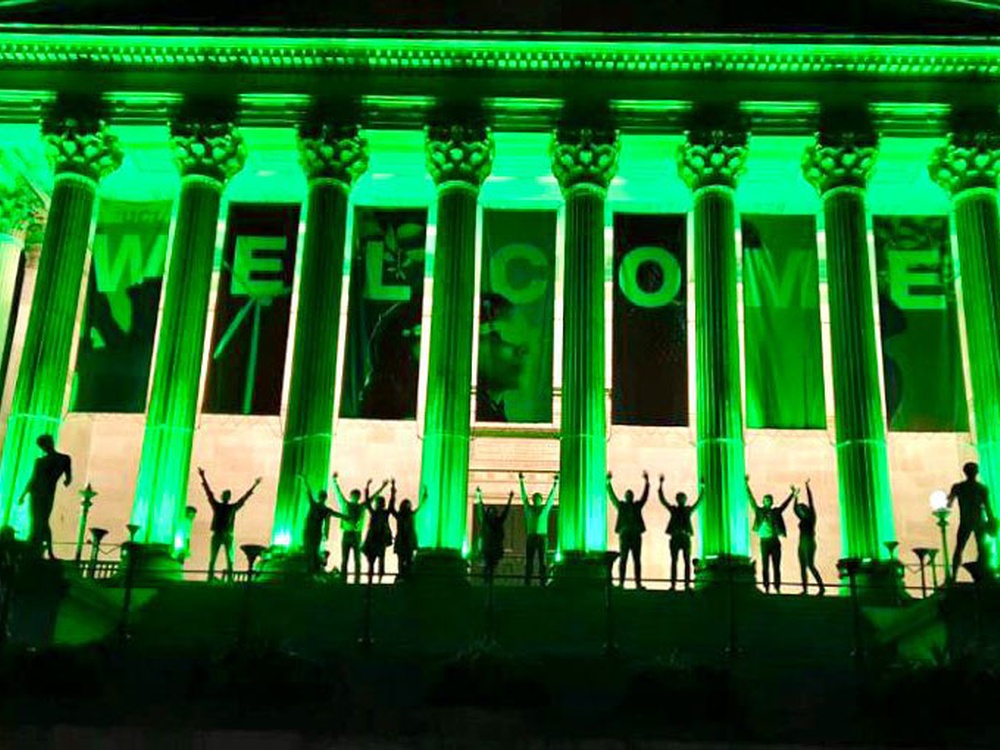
(877, 582)
(725, 570)
(444, 567)
(583, 569)
(151, 563)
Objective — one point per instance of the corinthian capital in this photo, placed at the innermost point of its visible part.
(207, 147)
(714, 157)
(459, 153)
(79, 142)
(969, 159)
(336, 152)
(840, 160)
(18, 204)
(584, 156)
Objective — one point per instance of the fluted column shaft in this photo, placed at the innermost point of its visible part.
(333, 158)
(459, 158)
(711, 162)
(82, 151)
(967, 168)
(17, 204)
(839, 166)
(584, 161)
(207, 154)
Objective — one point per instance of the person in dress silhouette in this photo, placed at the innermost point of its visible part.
(806, 513)
(536, 527)
(379, 536)
(975, 514)
(405, 545)
(49, 468)
(223, 523)
(769, 524)
(629, 527)
(680, 530)
(492, 520)
(352, 523)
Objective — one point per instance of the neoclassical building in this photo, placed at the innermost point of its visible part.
(879, 145)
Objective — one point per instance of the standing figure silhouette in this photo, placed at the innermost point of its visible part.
(406, 530)
(223, 523)
(49, 469)
(769, 525)
(536, 526)
(629, 527)
(806, 513)
(680, 531)
(379, 536)
(975, 514)
(315, 528)
(491, 527)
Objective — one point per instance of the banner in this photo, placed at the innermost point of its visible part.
(120, 311)
(649, 349)
(781, 323)
(516, 317)
(382, 358)
(250, 333)
(921, 350)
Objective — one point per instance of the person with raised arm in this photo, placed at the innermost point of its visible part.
(491, 530)
(314, 530)
(352, 524)
(806, 513)
(629, 527)
(680, 530)
(379, 536)
(769, 524)
(223, 523)
(536, 527)
(405, 545)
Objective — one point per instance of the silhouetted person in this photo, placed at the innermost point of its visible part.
(406, 529)
(536, 529)
(769, 525)
(352, 523)
(629, 527)
(491, 526)
(975, 515)
(315, 528)
(681, 530)
(806, 513)
(223, 523)
(49, 469)
(379, 536)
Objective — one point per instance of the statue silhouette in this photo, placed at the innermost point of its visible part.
(629, 527)
(680, 531)
(536, 526)
(379, 536)
(49, 469)
(406, 530)
(491, 526)
(223, 523)
(807, 541)
(769, 525)
(975, 514)
(315, 528)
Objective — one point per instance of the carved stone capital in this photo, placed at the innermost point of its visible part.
(18, 205)
(714, 157)
(335, 152)
(836, 160)
(207, 147)
(80, 143)
(584, 156)
(459, 153)
(969, 159)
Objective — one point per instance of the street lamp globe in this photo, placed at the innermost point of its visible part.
(939, 501)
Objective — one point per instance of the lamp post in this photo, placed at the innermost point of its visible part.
(931, 556)
(252, 552)
(96, 536)
(922, 553)
(88, 494)
(941, 511)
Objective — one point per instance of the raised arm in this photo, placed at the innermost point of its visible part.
(611, 493)
(392, 498)
(645, 490)
(524, 490)
(750, 497)
(248, 493)
(341, 500)
(663, 498)
(792, 495)
(205, 486)
(809, 495)
(701, 496)
(423, 498)
(552, 492)
(506, 509)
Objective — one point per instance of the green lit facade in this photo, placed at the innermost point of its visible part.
(454, 102)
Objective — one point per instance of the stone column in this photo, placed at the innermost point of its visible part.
(459, 159)
(81, 151)
(711, 162)
(584, 161)
(333, 157)
(839, 165)
(18, 203)
(966, 168)
(208, 152)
